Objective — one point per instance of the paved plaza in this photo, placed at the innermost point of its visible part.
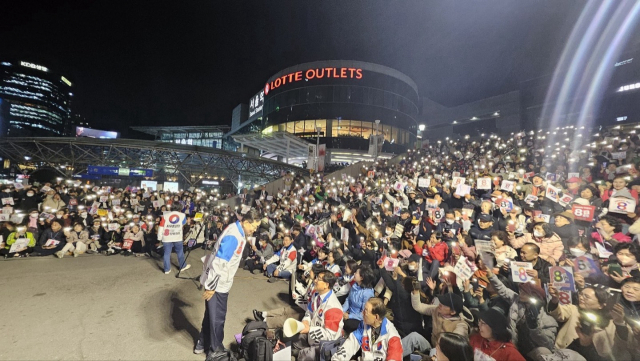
(96, 307)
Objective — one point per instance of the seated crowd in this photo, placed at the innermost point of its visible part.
(485, 249)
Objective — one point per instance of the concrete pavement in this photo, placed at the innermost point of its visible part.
(96, 307)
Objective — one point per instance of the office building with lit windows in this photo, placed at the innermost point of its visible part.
(203, 136)
(337, 100)
(34, 101)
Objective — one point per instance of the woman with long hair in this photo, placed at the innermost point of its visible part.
(453, 347)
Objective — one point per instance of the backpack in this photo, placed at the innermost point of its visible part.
(329, 348)
(253, 331)
(260, 349)
(223, 356)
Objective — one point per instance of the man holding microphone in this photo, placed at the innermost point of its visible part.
(219, 267)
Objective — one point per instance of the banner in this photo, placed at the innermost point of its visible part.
(622, 205)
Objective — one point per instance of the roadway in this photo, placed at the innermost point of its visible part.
(96, 307)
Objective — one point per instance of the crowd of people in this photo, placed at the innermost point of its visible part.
(479, 248)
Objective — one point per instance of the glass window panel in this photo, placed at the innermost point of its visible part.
(290, 127)
(343, 127)
(367, 129)
(322, 123)
(394, 135)
(355, 130)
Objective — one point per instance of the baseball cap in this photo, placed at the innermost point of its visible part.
(485, 218)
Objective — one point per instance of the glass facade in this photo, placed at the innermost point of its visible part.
(342, 128)
(34, 102)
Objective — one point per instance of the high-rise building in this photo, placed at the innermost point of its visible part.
(34, 101)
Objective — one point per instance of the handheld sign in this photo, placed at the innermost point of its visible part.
(565, 199)
(552, 193)
(485, 246)
(423, 182)
(483, 183)
(583, 213)
(463, 190)
(519, 272)
(585, 266)
(562, 278)
(508, 186)
(531, 198)
(391, 263)
(457, 181)
(462, 269)
(622, 205)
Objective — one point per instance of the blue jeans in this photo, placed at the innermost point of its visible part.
(167, 254)
(283, 274)
(414, 342)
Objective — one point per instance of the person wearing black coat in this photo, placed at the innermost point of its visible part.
(55, 232)
(28, 199)
(484, 228)
(405, 319)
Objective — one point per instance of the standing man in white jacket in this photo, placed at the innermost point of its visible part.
(219, 267)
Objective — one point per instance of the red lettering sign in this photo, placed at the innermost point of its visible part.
(583, 213)
(309, 74)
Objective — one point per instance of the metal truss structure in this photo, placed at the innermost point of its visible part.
(71, 156)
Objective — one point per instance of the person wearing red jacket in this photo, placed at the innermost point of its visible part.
(494, 338)
(434, 249)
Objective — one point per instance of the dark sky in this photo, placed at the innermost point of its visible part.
(191, 62)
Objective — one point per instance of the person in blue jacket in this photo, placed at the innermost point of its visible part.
(360, 292)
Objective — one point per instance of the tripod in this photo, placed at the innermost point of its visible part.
(207, 248)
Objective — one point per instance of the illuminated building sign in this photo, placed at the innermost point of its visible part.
(66, 81)
(255, 104)
(211, 183)
(34, 66)
(314, 73)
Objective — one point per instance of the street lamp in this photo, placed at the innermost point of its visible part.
(375, 151)
(421, 128)
(318, 129)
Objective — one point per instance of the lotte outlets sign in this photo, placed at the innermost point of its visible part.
(314, 73)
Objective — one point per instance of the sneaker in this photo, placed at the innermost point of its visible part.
(272, 279)
(198, 349)
(186, 267)
(257, 315)
(75, 254)
(167, 272)
(59, 254)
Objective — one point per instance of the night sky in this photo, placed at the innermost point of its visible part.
(191, 62)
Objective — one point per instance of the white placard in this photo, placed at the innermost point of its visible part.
(51, 242)
(344, 234)
(7, 201)
(552, 193)
(572, 175)
(531, 198)
(462, 269)
(4, 217)
(622, 205)
(398, 231)
(545, 217)
(565, 199)
(457, 181)
(113, 226)
(483, 183)
(18, 185)
(391, 263)
(19, 245)
(463, 190)
(619, 155)
(519, 271)
(398, 186)
(508, 186)
(485, 246)
(424, 182)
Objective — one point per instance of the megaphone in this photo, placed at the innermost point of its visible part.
(292, 327)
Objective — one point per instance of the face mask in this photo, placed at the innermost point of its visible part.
(626, 261)
(388, 232)
(418, 201)
(577, 252)
(29, 194)
(35, 215)
(537, 234)
(412, 268)
(83, 215)
(450, 221)
(493, 199)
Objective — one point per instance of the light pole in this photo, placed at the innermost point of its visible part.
(375, 151)
(318, 148)
(421, 128)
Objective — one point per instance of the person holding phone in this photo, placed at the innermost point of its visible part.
(589, 320)
(625, 263)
